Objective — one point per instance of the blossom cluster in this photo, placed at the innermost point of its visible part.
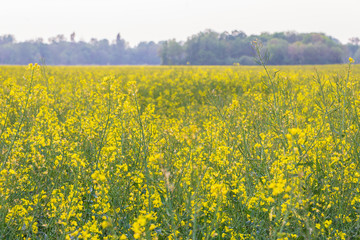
(179, 153)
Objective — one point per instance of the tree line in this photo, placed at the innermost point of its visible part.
(212, 48)
(60, 51)
(205, 48)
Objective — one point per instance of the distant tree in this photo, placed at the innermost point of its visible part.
(246, 60)
(163, 52)
(354, 40)
(145, 53)
(238, 34)
(119, 55)
(72, 37)
(352, 47)
(278, 50)
(296, 53)
(357, 56)
(172, 53)
(57, 39)
(7, 39)
(206, 48)
(120, 42)
(39, 40)
(237, 48)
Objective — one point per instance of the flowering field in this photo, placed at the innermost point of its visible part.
(180, 152)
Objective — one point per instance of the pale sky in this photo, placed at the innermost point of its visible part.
(146, 20)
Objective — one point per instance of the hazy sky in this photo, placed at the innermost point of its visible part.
(145, 20)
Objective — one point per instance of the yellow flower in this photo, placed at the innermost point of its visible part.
(35, 227)
(327, 223)
(152, 227)
(123, 237)
(351, 60)
(106, 224)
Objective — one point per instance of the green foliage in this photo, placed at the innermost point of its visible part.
(205, 48)
(212, 48)
(62, 52)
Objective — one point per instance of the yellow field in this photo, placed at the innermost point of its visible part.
(180, 152)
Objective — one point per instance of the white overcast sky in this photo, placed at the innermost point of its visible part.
(146, 20)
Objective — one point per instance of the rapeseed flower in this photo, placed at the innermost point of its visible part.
(178, 153)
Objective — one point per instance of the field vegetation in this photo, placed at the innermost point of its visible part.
(180, 152)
